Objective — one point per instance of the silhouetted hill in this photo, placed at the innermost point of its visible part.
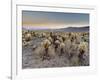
(68, 29)
(74, 29)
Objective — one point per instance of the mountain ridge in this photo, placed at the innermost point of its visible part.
(67, 29)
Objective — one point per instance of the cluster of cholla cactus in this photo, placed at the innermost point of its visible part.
(26, 37)
(73, 45)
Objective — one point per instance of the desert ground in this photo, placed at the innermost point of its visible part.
(47, 49)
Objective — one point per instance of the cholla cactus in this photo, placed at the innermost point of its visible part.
(64, 37)
(51, 51)
(28, 37)
(43, 49)
(72, 37)
(25, 43)
(77, 38)
(50, 39)
(39, 51)
(56, 43)
(73, 50)
(46, 43)
(43, 34)
(68, 45)
(83, 46)
(60, 39)
(62, 48)
(33, 33)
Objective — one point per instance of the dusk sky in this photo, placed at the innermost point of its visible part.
(53, 20)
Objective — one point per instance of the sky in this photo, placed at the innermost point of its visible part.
(53, 20)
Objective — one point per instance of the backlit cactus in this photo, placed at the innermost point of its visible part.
(48, 45)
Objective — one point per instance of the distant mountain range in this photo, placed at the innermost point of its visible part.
(68, 29)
